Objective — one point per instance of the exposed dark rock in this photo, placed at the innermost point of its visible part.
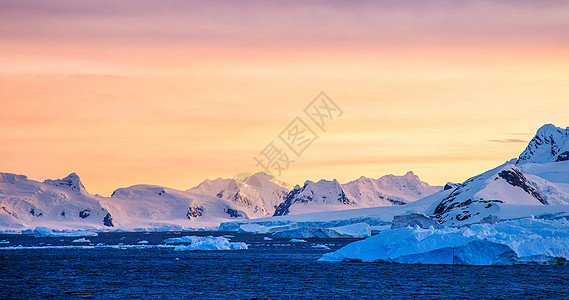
(84, 213)
(462, 217)
(108, 220)
(395, 201)
(4, 208)
(450, 186)
(563, 156)
(283, 208)
(233, 213)
(33, 213)
(194, 212)
(343, 199)
(517, 178)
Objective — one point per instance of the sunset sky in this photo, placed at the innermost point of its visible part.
(174, 92)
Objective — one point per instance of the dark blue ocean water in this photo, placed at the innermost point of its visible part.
(273, 269)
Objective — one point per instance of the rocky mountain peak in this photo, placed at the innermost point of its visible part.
(72, 181)
(550, 144)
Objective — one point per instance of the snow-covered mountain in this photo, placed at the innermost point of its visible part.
(66, 204)
(323, 195)
(363, 192)
(480, 196)
(388, 190)
(540, 176)
(537, 183)
(550, 144)
(156, 207)
(259, 194)
(58, 203)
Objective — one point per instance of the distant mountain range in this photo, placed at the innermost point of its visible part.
(363, 192)
(66, 204)
(538, 178)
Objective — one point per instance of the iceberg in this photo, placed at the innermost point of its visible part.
(297, 241)
(205, 243)
(81, 240)
(510, 242)
(46, 232)
(321, 246)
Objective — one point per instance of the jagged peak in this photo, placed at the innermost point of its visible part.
(550, 144)
(72, 181)
(410, 176)
(321, 182)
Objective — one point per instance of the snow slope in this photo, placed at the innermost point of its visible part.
(150, 207)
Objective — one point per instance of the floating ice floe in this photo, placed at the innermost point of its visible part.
(205, 243)
(320, 246)
(511, 242)
(81, 240)
(297, 241)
